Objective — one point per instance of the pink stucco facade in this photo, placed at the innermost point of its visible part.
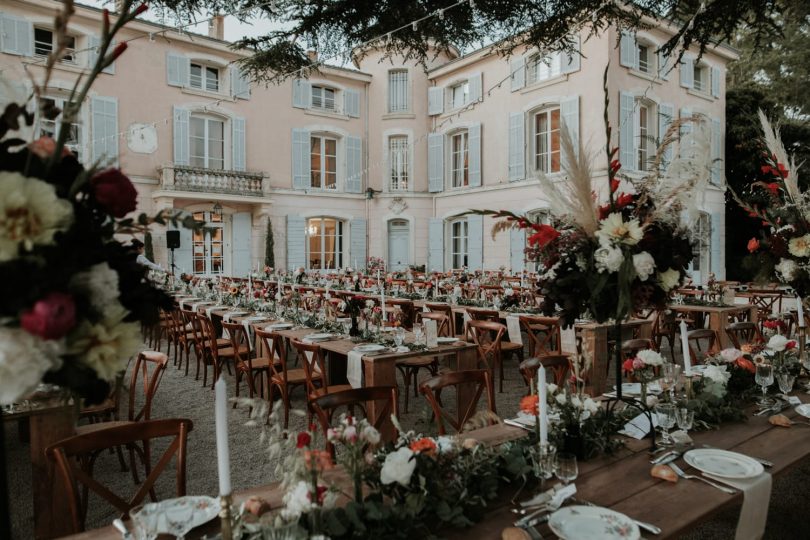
(270, 143)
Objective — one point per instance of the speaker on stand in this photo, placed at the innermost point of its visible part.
(172, 242)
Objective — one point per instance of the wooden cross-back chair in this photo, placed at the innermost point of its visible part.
(252, 369)
(558, 364)
(312, 358)
(544, 333)
(355, 398)
(431, 388)
(443, 323)
(194, 335)
(281, 376)
(439, 307)
(75, 457)
(702, 342)
(487, 336)
(744, 332)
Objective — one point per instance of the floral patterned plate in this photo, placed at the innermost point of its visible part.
(803, 409)
(199, 510)
(723, 463)
(590, 522)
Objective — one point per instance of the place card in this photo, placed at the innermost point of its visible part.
(639, 427)
(793, 400)
(431, 334)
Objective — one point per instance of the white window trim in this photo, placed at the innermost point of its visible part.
(339, 134)
(449, 242)
(556, 56)
(204, 66)
(84, 120)
(408, 89)
(530, 134)
(386, 179)
(448, 169)
(345, 241)
(449, 103)
(227, 217)
(339, 147)
(227, 158)
(48, 27)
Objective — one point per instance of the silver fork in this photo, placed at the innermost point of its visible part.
(682, 474)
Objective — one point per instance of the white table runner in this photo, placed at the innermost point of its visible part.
(756, 498)
(354, 368)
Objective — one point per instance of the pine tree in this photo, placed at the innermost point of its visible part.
(269, 243)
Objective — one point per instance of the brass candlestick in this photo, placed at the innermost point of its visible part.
(225, 516)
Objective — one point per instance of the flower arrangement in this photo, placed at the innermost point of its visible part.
(375, 264)
(74, 297)
(358, 437)
(643, 367)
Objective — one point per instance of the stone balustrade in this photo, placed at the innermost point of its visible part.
(244, 183)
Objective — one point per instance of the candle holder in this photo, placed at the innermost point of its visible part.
(545, 460)
(225, 516)
(690, 394)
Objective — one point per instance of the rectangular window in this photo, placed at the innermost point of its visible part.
(323, 162)
(207, 243)
(459, 95)
(207, 143)
(51, 128)
(644, 58)
(542, 68)
(547, 141)
(204, 78)
(642, 129)
(398, 156)
(324, 244)
(323, 98)
(45, 44)
(398, 90)
(458, 243)
(700, 78)
(459, 160)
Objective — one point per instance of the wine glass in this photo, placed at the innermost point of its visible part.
(785, 381)
(418, 333)
(671, 372)
(347, 325)
(145, 521)
(566, 467)
(399, 336)
(178, 518)
(685, 418)
(665, 412)
(764, 378)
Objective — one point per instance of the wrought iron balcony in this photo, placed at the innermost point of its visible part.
(182, 178)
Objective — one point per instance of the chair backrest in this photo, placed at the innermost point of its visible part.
(744, 332)
(239, 344)
(487, 336)
(311, 357)
(275, 350)
(480, 314)
(630, 347)
(558, 364)
(149, 366)
(479, 377)
(442, 322)
(210, 335)
(407, 309)
(439, 307)
(74, 458)
(545, 334)
(326, 405)
(701, 343)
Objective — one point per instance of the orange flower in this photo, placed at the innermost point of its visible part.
(745, 364)
(425, 444)
(529, 404)
(320, 459)
(44, 147)
(753, 245)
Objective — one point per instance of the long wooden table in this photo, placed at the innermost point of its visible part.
(719, 317)
(621, 482)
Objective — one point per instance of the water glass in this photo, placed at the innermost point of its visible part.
(178, 518)
(399, 336)
(566, 467)
(685, 418)
(785, 381)
(418, 334)
(671, 373)
(145, 521)
(764, 378)
(665, 413)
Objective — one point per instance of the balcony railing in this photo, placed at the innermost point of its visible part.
(182, 178)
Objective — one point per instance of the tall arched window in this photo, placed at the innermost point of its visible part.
(207, 141)
(324, 243)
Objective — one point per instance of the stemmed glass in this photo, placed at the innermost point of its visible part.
(785, 381)
(764, 378)
(178, 518)
(145, 521)
(399, 336)
(685, 419)
(418, 333)
(671, 372)
(665, 412)
(566, 467)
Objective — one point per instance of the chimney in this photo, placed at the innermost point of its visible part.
(312, 54)
(216, 27)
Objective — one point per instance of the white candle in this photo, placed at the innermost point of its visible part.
(542, 404)
(687, 358)
(223, 454)
(801, 311)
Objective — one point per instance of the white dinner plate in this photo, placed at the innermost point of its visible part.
(634, 389)
(589, 522)
(722, 463)
(369, 347)
(203, 509)
(279, 326)
(803, 409)
(317, 337)
(446, 340)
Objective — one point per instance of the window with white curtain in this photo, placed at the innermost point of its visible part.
(459, 232)
(546, 140)
(459, 159)
(324, 243)
(398, 90)
(207, 244)
(543, 67)
(323, 162)
(207, 142)
(398, 162)
(459, 95)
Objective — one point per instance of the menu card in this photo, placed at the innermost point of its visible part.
(431, 334)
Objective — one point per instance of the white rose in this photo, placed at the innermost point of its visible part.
(644, 264)
(608, 258)
(615, 229)
(24, 359)
(551, 387)
(398, 467)
(731, 354)
(650, 357)
(370, 435)
(576, 402)
(787, 269)
(297, 501)
(591, 406)
(718, 374)
(445, 444)
(561, 399)
(370, 304)
(778, 343)
(99, 284)
(800, 246)
(106, 346)
(669, 279)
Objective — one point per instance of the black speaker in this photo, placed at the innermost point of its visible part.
(172, 239)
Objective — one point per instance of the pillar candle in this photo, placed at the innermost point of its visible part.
(542, 404)
(800, 311)
(687, 358)
(223, 454)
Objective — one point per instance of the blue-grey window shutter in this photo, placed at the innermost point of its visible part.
(242, 235)
(475, 242)
(302, 176)
(240, 85)
(474, 149)
(718, 233)
(435, 162)
(183, 255)
(435, 100)
(517, 146)
(16, 35)
(627, 128)
(687, 72)
(666, 113)
(517, 246)
(476, 87)
(351, 103)
(663, 67)
(435, 245)
(569, 112)
(571, 59)
(181, 135)
(716, 152)
(354, 165)
(105, 129)
(715, 73)
(302, 93)
(628, 50)
(177, 69)
(93, 52)
(517, 68)
(357, 232)
(296, 242)
(238, 140)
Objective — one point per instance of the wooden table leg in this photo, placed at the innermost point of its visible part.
(717, 322)
(51, 515)
(380, 372)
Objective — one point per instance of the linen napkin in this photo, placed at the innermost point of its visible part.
(568, 338)
(756, 497)
(227, 318)
(354, 368)
(513, 327)
(208, 310)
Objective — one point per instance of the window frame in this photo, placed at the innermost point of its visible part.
(204, 76)
(643, 149)
(464, 86)
(321, 90)
(701, 76)
(404, 94)
(461, 256)
(548, 111)
(399, 177)
(70, 52)
(552, 63)
(464, 153)
(339, 242)
(208, 118)
(647, 66)
(322, 172)
(213, 221)
(59, 102)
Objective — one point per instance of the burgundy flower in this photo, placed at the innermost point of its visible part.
(304, 439)
(52, 317)
(114, 192)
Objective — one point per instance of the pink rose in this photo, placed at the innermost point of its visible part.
(638, 363)
(51, 317)
(114, 191)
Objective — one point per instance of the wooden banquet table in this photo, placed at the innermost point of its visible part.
(621, 482)
(719, 317)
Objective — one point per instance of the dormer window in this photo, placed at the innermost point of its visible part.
(459, 95)
(203, 77)
(542, 68)
(45, 43)
(323, 98)
(701, 78)
(644, 64)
